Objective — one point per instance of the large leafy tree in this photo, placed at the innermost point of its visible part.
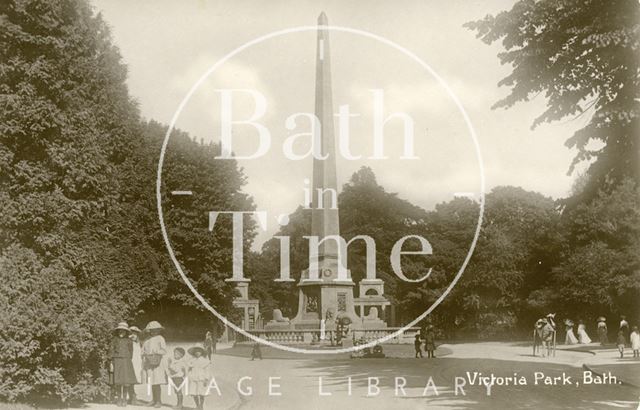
(515, 253)
(600, 272)
(582, 55)
(65, 118)
(80, 246)
(450, 230)
(205, 256)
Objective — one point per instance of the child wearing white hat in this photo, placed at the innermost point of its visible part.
(154, 367)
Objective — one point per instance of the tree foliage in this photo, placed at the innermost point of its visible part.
(529, 259)
(62, 92)
(600, 271)
(583, 55)
(80, 243)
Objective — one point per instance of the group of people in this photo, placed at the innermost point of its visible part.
(428, 336)
(139, 357)
(623, 335)
(570, 337)
(545, 328)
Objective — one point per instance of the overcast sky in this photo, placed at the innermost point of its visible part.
(168, 45)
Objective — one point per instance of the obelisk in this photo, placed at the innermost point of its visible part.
(324, 213)
(325, 296)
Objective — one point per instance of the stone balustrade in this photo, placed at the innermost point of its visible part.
(312, 336)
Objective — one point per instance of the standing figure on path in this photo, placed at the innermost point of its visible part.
(177, 369)
(423, 331)
(548, 332)
(621, 342)
(602, 330)
(430, 342)
(199, 375)
(583, 337)
(635, 342)
(537, 335)
(417, 344)
(256, 353)
(120, 353)
(153, 350)
(570, 338)
(134, 335)
(209, 344)
(624, 327)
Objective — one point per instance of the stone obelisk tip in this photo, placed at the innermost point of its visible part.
(322, 19)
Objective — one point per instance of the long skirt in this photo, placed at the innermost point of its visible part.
(123, 373)
(583, 337)
(602, 334)
(570, 339)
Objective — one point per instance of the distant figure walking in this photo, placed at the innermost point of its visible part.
(635, 342)
(537, 335)
(548, 334)
(210, 343)
(417, 344)
(624, 327)
(621, 342)
(570, 338)
(430, 342)
(256, 353)
(602, 330)
(583, 337)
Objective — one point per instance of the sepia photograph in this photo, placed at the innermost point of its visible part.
(244, 205)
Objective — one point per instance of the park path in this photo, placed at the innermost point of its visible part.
(591, 357)
(571, 355)
(298, 381)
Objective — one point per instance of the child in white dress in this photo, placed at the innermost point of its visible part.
(199, 375)
(635, 342)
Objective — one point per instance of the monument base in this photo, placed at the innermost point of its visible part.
(276, 326)
(373, 324)
(324, 299)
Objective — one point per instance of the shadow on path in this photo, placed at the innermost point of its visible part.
(571, 395)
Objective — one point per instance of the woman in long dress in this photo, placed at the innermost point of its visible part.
(570, 339)
(602, 330)
(153, 350)
(583, 337)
